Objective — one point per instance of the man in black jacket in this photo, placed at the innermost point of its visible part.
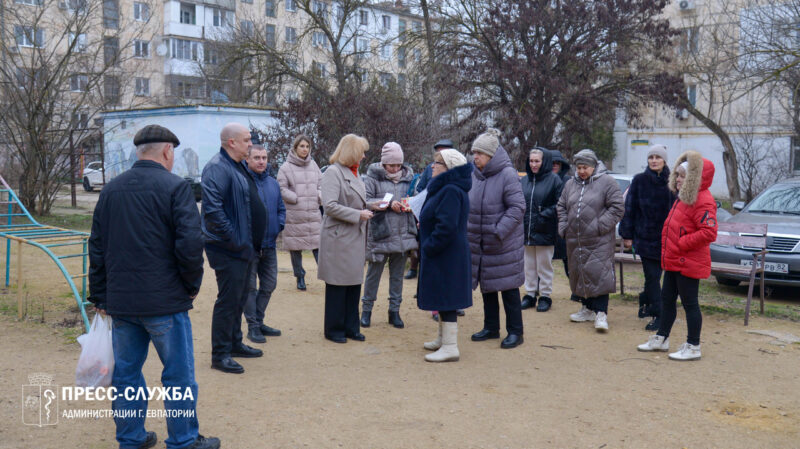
(146, 266)
(233, 219)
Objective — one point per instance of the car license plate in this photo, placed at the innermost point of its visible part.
(772, 267)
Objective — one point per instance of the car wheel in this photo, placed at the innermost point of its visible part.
(726, 281)
(87, 186)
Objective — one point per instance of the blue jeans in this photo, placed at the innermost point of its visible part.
(263, 280)
(172, 337)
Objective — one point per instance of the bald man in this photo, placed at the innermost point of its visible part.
(234, 221)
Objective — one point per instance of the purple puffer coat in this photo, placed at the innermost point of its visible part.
(496, 240)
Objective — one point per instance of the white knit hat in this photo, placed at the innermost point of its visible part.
(452, 158)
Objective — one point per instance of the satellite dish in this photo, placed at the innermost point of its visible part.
(161, 50)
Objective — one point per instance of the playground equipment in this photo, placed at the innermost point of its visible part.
(22, 228)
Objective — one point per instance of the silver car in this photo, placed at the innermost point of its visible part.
(779, 208)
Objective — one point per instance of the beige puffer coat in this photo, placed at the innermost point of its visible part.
(300, 189)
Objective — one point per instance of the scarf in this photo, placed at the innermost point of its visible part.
(354, 169)
(395, 177)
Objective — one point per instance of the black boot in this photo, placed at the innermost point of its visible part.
(544, 304)
(528, 302)
(365, 318)
(394, 320)
(301, 283)
(412, 273)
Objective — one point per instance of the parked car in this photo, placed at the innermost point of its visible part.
(197, 190)
(92, 176)
(779, 208)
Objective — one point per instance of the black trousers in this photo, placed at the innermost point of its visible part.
(297, 261)
(677, 284)
(341, 310)
(596, 303)
(512, 306)
(233, 276)
(652, 285)
(448, 316)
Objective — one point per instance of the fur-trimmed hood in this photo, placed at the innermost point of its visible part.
(699, 176)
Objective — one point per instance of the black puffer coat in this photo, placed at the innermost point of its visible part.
(541, 191)
(647, 205)
(560, 251)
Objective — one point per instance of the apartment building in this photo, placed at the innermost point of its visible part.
(759, 121)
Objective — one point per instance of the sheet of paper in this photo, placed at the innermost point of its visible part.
(416, 202)
(385, 201)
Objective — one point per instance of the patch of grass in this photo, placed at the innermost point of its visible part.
(71, 334)
(78, 222)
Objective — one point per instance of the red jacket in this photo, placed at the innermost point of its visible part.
(692, 223)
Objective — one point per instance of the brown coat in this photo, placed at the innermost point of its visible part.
(300, 189)
(343, 239)
(588, 213)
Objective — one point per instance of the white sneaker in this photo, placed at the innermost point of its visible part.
(601, 321)
(686, 352)
(582, 315)
(655, 343)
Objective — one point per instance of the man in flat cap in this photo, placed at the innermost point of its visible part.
(146, 266)
(234, 221)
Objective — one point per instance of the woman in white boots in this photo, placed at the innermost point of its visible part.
(445, 271)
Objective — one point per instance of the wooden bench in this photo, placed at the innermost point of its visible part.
(750, 236)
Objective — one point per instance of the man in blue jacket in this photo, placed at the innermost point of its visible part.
(145, 269)
(234, 221)
(265, 270)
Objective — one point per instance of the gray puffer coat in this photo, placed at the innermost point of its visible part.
(389, 231)
(300, 189)
(588, 213)
(496, 241)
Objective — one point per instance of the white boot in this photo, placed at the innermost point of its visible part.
(435, 344)
(583, 315)
(449, 350)
(655, 343)
(686, 352)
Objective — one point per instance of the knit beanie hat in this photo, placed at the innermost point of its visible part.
(391, 153)
(659, 150)
(452, 158)
(586, 157)
(487, 142)
(685, 166)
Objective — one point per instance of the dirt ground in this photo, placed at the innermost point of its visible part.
(566, 386)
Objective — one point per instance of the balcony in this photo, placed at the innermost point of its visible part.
(183, 30)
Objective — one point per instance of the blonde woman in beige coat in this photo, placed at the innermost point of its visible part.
(343, 239)
(299, 178)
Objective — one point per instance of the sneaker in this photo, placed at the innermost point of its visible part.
(655, 343)
(686, 352)
(601, 321)
(582, 315)
(654, 324)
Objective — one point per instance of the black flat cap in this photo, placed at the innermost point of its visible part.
(155, 134)
(444, 143)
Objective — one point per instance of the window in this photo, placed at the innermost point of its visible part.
(363, 17)
(247, 1)
(184, 49)
(401, 57)
(339, 14)
(386, 52)
(387, 23)
(401, 81)
(111, 14)
(417, 55)
(691, 94)
(291, 63)
(111, 50)
(186, 87)
(319, 69)
(188, 15)
(80, 120)
(141, 11)
(363, 45)
(291, 35)
(689, 41)
(270, 8)
(321, 9)
(318, 39)
(29, 2)
(80, 42)
(142, 87)
(141, 49)
(416, 26)
(401, 29)
(210, 56)
(291, 5)
(269, 36)
(247, 27)
(221, 17)
(27, 79)
(78, 83)
(28, 36)
(111, 90)
(363, 75)
(75, 6)
(386, 79)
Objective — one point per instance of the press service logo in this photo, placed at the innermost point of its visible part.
(40, 401)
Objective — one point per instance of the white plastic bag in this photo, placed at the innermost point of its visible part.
(96, 363)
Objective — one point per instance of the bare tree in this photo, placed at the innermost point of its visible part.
(61, 63)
